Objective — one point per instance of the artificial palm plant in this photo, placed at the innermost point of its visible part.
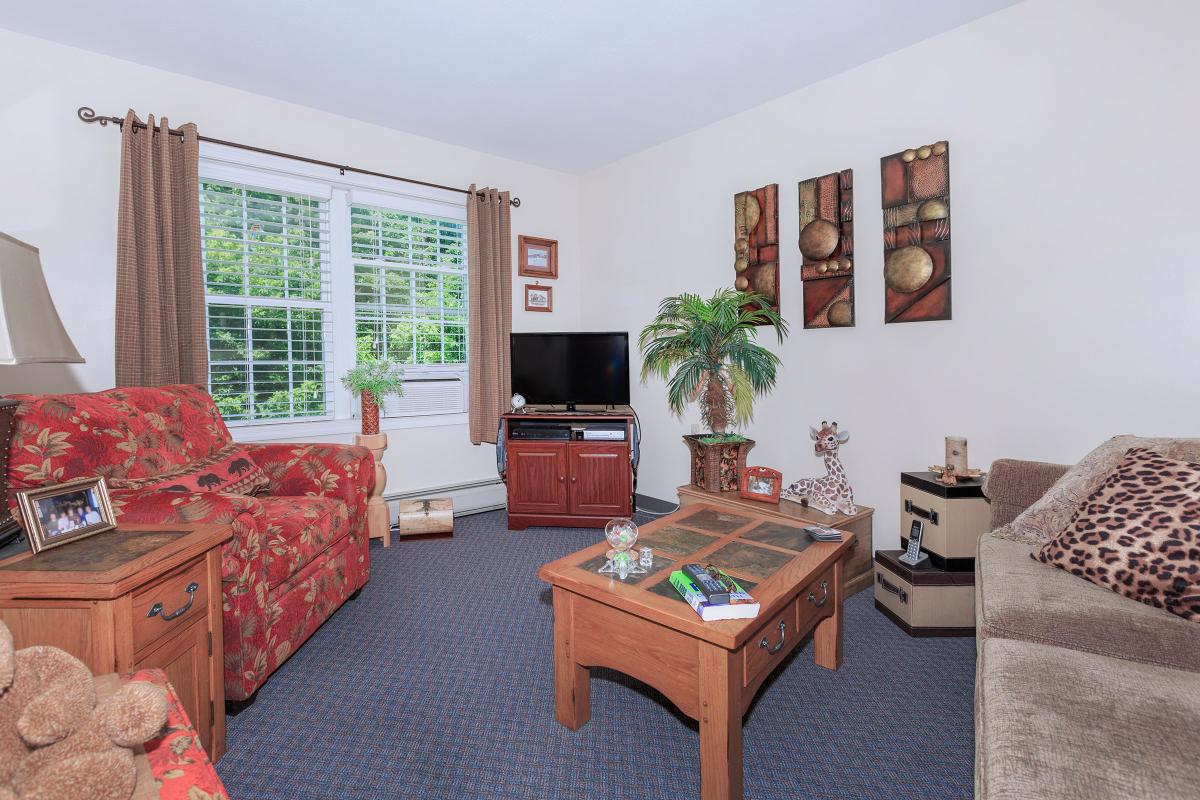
(710, 344)
(372, 381)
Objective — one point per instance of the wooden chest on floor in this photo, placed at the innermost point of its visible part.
(924, 600)
(954, 517)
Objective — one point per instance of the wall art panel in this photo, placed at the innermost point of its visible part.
(756, 242)
(827, 248)
(916, 233)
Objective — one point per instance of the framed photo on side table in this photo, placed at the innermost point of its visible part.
(54, 515)
(536, 257)
(539, 298)
(761, 484)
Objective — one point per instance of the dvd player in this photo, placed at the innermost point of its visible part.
(604, 435)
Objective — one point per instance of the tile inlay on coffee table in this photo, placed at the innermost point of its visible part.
(661, 562)
(678, 541)
(788, 536)
(739, 557)
(715, 522)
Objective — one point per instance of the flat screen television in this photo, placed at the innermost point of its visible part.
(571, 368)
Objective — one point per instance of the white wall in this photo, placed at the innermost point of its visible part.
(1075, 188)
(59, 180)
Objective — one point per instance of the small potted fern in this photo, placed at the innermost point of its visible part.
(710, 344)
(372, 381)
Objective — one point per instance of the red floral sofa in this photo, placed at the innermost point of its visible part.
(298, 511)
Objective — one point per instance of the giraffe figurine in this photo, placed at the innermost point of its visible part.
(831, 494)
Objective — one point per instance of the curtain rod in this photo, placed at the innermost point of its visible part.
(87, 114)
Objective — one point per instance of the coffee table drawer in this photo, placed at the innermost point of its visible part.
(815, 601)
(770, 645)
(169, 604)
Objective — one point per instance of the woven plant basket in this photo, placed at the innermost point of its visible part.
(717, 467)
(370, 414)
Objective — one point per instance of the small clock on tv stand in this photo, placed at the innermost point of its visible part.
(761, 484)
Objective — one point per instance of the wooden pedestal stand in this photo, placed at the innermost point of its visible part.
(378, 524)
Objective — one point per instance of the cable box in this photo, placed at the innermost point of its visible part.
(541, 433)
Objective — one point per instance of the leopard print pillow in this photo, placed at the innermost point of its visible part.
(1138, 534)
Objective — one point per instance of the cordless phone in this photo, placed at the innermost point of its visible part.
(913, 555)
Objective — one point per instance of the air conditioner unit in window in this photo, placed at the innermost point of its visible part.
(425, 396)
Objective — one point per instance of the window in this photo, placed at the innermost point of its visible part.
(410, 280)
(277, 306)
(266, 272)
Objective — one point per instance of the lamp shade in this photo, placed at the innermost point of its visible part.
(30, 329)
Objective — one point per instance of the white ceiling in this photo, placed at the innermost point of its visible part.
(571, 84)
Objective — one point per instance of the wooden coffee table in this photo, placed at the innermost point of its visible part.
(709, 670)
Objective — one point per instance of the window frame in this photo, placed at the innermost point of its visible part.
(222, 163)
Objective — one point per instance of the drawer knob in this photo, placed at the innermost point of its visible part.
(782, 635)
(812, 596)
(157, 608)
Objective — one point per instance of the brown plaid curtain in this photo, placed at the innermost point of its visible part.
(489, 271)
(160, 288)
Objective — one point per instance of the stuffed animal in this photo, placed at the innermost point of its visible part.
(56, 742)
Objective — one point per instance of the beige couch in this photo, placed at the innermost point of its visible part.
(1080, 693)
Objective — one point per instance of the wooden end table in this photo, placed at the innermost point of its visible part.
(137, 597)
(709, 670)
(859, 570)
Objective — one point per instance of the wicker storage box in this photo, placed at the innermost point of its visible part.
(717, 467)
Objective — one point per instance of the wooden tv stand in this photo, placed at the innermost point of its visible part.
(567, 481)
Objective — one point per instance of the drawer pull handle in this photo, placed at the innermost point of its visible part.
(923, 513)
(157, 608)
(782, 636)
(889, 587)
(812, 596)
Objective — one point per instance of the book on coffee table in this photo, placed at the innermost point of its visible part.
(710, 612)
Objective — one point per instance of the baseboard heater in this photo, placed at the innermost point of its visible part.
(451, 488)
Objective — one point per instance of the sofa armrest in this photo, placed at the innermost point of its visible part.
(241, 556)
(342, 471)
(1013, 485)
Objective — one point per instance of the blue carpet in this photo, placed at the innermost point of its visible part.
(437, 682)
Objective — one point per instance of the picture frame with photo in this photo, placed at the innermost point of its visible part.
(761, 484)
(537, 257)
(539, 298)
(55, 515)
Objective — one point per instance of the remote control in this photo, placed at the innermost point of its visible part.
(714, 591)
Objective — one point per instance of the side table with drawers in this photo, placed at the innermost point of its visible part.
(136, 597)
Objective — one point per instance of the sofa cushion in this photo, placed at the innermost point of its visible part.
(230, 471)
(1138, 534)
(128, 433)
(298, 529)
(1057, 724)
(1048, 517)
(1019, 598)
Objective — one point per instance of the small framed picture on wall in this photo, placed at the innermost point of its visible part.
(539, 298)
(536, 257)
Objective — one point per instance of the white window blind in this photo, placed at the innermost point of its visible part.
(410, 304)
(267, 277)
